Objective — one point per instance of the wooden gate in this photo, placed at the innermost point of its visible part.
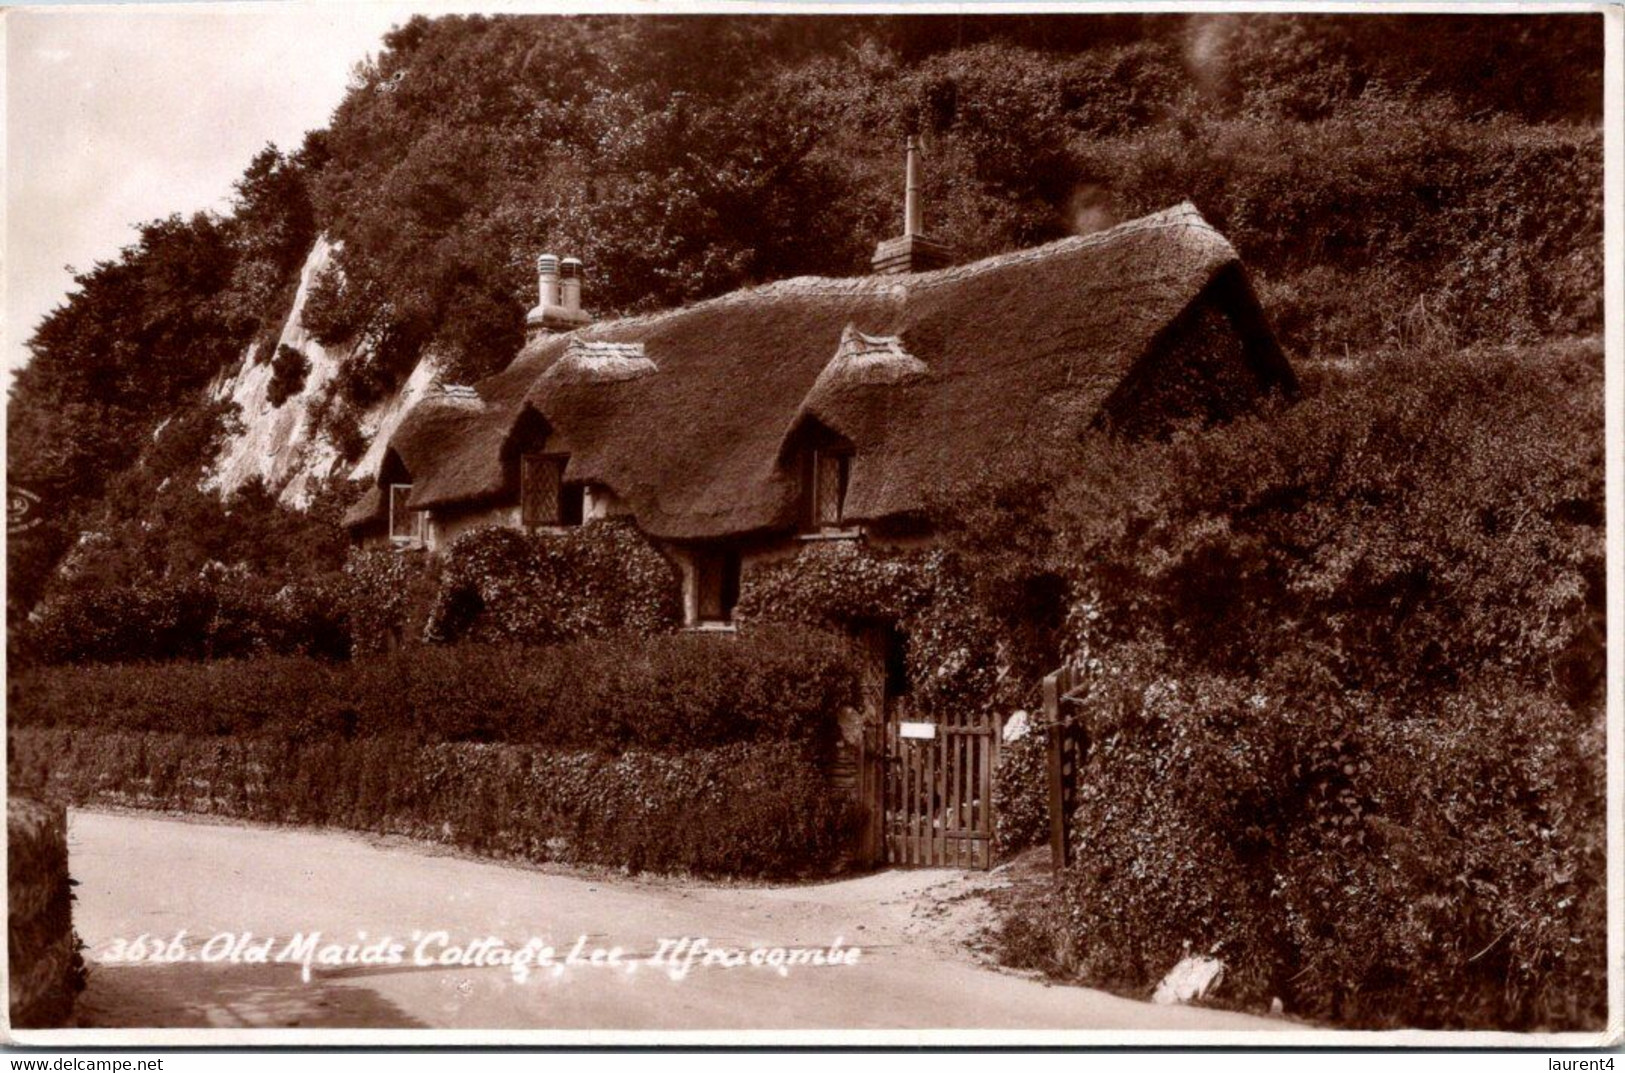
(938, 791)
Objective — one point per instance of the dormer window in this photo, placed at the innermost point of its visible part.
(827, 472)
(545, 500)
(405, 524)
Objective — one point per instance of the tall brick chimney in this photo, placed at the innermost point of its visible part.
(558, 307)
(914, 251)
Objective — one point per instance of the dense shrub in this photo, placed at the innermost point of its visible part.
(500, 584)
(1021, 794)
(1416, 523)
(954, 655)
(218, 613)
(383, 594)
(834, 584)
(666, 694)
(752, 809)
(1368, 863)
(1348, 221)
(1343, 684)
(494, 585)
(288, 371)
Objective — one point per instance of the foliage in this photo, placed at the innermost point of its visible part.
(217, 613)
(1350, 220)
(956, 654)
(676, 181)
(834, 584)
(198, 575)
(113, 604)
(744, 809)
(289, 369)
(663, 694)
(500, 584)
(143, 336)
(1021, 794)
(953, 657)
(384, 593)
(1343, 674)
(137, 342)
(672, 753)
(1370, 863)
(1414, 524)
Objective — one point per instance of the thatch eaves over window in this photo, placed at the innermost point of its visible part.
(587, 361)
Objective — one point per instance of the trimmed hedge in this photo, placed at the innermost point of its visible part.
(1369, 863)
(744, 809)
(665, 693)
(47, 970)
(217, 613)
(494, 584)
(500, 584)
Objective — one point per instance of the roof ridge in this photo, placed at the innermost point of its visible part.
(1183, 216)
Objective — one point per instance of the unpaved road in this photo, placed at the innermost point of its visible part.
(146, 874)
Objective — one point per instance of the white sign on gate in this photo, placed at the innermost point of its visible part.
(917, 730)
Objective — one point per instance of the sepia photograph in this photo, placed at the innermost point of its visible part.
(812, 525)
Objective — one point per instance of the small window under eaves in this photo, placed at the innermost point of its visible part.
(545, 500)
(827, 473)
(405, 524)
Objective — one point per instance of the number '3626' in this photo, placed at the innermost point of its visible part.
(147, 948)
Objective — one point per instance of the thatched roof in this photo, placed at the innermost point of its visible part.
(369, 508)
(685, 414)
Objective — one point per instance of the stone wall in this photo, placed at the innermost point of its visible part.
(47, 972)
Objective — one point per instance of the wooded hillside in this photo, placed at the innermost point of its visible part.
(1380, 175)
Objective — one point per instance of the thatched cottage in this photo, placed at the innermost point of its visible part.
(820, 409)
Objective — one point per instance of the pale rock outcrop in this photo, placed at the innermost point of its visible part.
(279, 444)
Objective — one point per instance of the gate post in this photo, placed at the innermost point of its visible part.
(871, 782)
(1056, 742)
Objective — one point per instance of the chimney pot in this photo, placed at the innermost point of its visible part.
(570, 274)
(911, 189)
(547, 275)
(913, 250)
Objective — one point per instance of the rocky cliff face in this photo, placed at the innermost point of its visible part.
(279, 444)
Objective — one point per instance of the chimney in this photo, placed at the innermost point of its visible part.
(558, 308)
(914, 251)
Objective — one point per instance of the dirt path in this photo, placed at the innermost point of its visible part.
(145, 874)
